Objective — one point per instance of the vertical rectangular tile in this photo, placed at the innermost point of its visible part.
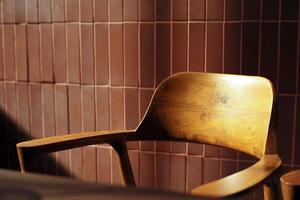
(233, 10)
(270, 9)
(35, 93)
(214, 47)
(46, 52)
(285, 127)
(163, 146)
(101, 54)
(72, 9)
(289, 10)
(116, 174)
(131, 10)
(147, 170)
(211, 170)
(251, 9)
(250, 48)
(58, 11)
(90, 163)
(134, 157)
(88, 108)
(147, 10)
(73, 52)
(162, 172)
(101, 10)
(32, 11)
(211, 151)
(163, 10)
(61, 128)
(197, 47)
(117, 108)
(131, 108)
(288, 58)
(297, 135)
(177, 173)
(116, 10)
(147, 55)
(162, 52)
(215, 10)
(2, 110)
(195, 149)
(23, 110)
(228, 153)
(8, 11)
(74, 107)
(194, 172)
(21, 53)
(178, 147)
(9, 52)
(228, 167)
(131, 54)
(104, 165)
(116, 54)
(86, 10)
(48, 106)
(180, 10)
(269, 45)
(33, 52)
(197, 9)
(87, 54)
(232, 42)
(102, 108)
(1, 54)
(11, 109)
(59, 56)
(179, 47)
(44, 10)
(20, 13)
(75, 126)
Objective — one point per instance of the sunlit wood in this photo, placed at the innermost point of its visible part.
(225, 110)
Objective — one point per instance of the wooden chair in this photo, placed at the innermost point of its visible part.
(231, 111)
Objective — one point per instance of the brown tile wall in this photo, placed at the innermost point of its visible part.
(82, 65)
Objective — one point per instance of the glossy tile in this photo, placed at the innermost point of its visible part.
(87, 54)
(101, 54)
(59, 55)
(46, 52)
(147, 43)
(21, 53)
(179, 47)
(116, 54)
(72, 11)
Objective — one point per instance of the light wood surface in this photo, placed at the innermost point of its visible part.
(225, 110)
(290, 185)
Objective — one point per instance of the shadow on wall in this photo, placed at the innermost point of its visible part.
(10, 135)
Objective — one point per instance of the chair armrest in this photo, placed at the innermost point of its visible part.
(242, 181)
(63, 142)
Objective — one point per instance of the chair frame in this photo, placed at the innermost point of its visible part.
(264, 172)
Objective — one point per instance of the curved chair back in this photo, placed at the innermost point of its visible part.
(226, 110)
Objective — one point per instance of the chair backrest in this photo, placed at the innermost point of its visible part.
(226, 110)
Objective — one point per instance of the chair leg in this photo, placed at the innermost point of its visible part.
(124, 163)
(271, 190)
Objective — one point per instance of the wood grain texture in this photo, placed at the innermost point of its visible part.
(231, 111)
(290, 185)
